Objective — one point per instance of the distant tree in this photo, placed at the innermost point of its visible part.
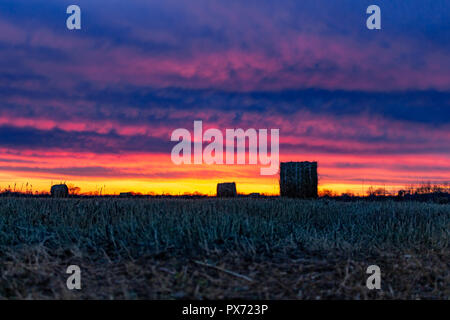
(74, 190)
(348, 193)
(376, 192)
(326, 193)
(424, 188)
(380, 192)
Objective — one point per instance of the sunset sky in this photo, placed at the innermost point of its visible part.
(96, 107)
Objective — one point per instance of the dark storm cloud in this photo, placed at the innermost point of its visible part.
(427, 107)
(56, 139)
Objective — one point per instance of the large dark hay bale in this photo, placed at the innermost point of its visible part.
(59, 191)
(298, 179)
(227, 189)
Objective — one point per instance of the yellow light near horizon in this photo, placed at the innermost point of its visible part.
(268, 186)
(156, 174)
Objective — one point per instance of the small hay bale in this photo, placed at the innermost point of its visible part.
(226, 190)
(59, 191)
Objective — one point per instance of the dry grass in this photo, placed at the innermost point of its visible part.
(223, 248)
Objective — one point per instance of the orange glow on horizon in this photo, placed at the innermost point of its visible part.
(156, 174)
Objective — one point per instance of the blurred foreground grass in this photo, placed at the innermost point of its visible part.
(283, 248)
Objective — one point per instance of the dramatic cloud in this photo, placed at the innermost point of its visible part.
(110, 94)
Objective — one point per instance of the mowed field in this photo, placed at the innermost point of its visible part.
(268, 248)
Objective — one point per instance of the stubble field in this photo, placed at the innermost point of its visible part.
(268, 248)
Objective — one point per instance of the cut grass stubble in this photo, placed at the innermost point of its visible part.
(237, 239)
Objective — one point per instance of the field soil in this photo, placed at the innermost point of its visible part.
(223, 249)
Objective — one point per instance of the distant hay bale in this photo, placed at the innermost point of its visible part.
(126, 194)
(227, 189)
(254, 195)
(298, 179)
(59, 191)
